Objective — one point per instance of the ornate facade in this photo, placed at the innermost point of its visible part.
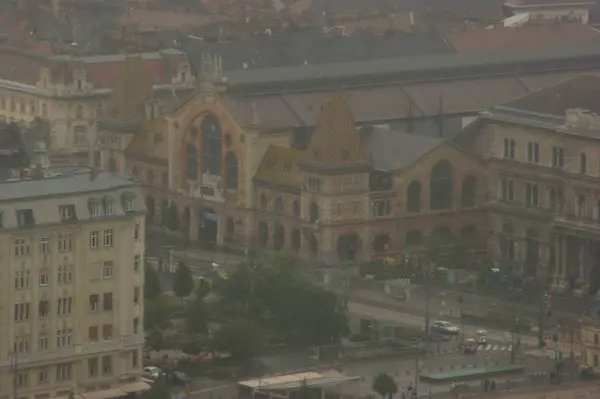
(346, 194)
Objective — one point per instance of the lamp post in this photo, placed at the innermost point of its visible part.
(427, 294)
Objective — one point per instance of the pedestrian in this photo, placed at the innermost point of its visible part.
(493, 386)
(486, 385)
(429, 394)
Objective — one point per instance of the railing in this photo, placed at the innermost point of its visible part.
(120, 343)
(571, 220)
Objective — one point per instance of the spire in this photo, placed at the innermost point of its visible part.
(131, 92)
(336, 140)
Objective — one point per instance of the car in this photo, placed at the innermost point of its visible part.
(177, 378)
(152, 372)
(469, 346)
(444, 327)
(482, 337)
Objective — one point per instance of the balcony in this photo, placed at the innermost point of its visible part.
(574, 222)
(208, 187)
(121, 343)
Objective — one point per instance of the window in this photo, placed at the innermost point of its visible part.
(150, 177)
(134, 358)
(469, 191)
(531, 194)
(43, 308)
(509, 148)
(558, 157)
(93, 367)
(67, 212)
(44, 245)
(21, 379)
(128, 204)
(64, 372)
(109, 208)
(296, 208)
(596, 339)
(136, 232)
(79, 107)
(107, 270)
(314, 213)
(79, 136)
(94, 239)
(136, 325)
(211, 145)
(137, 259)
(22, 279)
(533, 152)
(232, 171)
(263, 202)
(96, 209)
(107, 332)
(583, 163)
(94, 302)
(106, 365)
(279, 205)
(381, 208)
(555, 195)
(107, 301)
(413, 197)
(21, 249)
(64, 274)
(44, 109)
(64, 306)
(21, 311)
(63, 337)
(65, 243)
(32, 108)
(108, 238)
(44, 278)
(43, 342)
(93, 333)
(441, 186)
(21, 344)
(581, 206)
(192, 162)
(136, 294)
(25, 218)
(507, 191)
(99, 111)
(43, 376)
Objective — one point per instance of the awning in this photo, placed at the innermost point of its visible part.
(105, 394)
(139, 386)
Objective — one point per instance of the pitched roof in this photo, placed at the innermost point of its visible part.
(280, 166)
(579, 92)
(392, 150)
(132, 90)
(481, 39)
(335, 141)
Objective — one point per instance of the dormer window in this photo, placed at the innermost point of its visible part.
(25, 218)
(128, 201)
(95, 207)
(109, 207)
(67, 212)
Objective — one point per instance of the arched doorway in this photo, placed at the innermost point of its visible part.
(347, 247)
(296, 240)
(208, 228)
(381, 243)
(263, 234)
(278, 237)
(150, 208)
(313, 244)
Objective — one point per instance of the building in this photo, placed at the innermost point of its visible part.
(555, 10)
(22, 149)
(70, 93)
(590, 341)
(71, 307)
(542, 151)
(575, 390)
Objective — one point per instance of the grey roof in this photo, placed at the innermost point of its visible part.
(76, 182)
(295, 49)
(427, 67)
(392, 150)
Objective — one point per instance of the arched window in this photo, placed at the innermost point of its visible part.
(192, 162)
(79, 111)
(112, 165)
(467, 234)
(296, 208)
(314, 212)
(279, 205)
(468, 191)
(507, 242)
(150, 177)
(263, 202)
(135, 171)
(441, 236)
(440, 190)
(413, 197)
(232, 171)
(413, 238)
(211, 141)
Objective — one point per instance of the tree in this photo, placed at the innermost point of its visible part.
(203, 288)
(159, 390)
(183, 282)
(241, 339)
(152, 287)
(156, 313)
(385, 385)
(196, 317)
(155, 340)
(173, 221)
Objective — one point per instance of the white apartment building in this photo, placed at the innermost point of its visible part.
(71, 286)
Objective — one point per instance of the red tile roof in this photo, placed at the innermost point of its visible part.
(476, 40)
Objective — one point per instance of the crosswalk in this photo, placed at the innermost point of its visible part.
(495, 348)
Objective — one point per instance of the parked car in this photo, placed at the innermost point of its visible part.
(152, 372)
(444, 327)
